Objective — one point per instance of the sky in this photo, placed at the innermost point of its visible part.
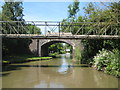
(48, 11)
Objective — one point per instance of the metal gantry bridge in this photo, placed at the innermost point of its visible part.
(61, 30)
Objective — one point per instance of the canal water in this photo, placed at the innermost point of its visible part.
(55, 73)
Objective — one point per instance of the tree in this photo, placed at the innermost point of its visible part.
(89, 9)
(12, 11)
(104, 21)
(73, 9)
(115, 8)
(57, 47)
(32, 29)
(108, 17)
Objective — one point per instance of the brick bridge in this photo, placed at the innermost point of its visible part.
(40, 46)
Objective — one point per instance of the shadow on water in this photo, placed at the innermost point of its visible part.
(17, 67)
(10, 68)
(4, 74)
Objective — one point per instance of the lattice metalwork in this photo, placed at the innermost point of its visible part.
(58, 28)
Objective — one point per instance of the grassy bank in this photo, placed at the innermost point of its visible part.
(23, 58)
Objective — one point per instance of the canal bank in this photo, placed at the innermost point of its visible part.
(22, 59)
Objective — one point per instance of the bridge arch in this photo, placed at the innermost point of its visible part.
(40, 46)
(44, 46)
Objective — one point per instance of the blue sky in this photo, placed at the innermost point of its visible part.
(47, 11)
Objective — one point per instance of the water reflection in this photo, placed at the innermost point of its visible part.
(64, 67)
(32, 75)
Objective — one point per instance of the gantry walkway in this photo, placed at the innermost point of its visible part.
(59, 30)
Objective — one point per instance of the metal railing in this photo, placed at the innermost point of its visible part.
(56, 28)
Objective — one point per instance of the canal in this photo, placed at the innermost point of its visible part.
(55, 73)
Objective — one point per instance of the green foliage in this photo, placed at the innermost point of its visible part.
(113, 67)
(33, 29)
(101, 59)
(108, 61)
(15, 46)
(55, 47)
(78, 54)
(59, 48)
(54, 55)
(89, 9)
(91, 47)
(73, 9)
(106, 20)
(12, 11)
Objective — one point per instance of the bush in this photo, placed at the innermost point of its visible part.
(78, 54)
(108, 61)
(54, 55)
